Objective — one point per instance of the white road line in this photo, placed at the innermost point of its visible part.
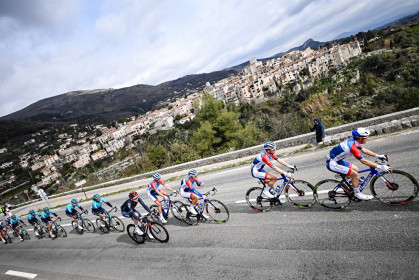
(21, 274)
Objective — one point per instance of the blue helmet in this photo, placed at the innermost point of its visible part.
(45, 208)
(193, 172)
(96, 196)
(31, 211)
(74, 200)
(270, 146)
(360, 132)
(13, 217)
(157, 176)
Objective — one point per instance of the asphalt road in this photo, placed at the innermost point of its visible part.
(368, 240)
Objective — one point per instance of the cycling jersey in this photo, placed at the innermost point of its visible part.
(45, 215)
(127, 209)
(98, 204)
(154, 185)
(186, 188)
(346, 148)
(262, 159)
(15, 222)
(70, 208)
(33, 217)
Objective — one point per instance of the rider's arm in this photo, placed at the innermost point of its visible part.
(280, 171)
(169, 188)
(107, 202)
(368, 152)
(81, 208)
(144, 205)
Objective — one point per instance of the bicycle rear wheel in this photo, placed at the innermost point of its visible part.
(190, 219)
(76, 227)
(25, 234)
(117, 224)
(102, 225)
(60, 231)
(217, 211)
(332, 194)
(257, 200)
(178, 210)
(395, 188)
(137, 238)
(158, 231)
(300, 194)
(45, 232)
(89, 225)
(154, 214)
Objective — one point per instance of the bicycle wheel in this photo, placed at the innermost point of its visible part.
(45, 232)
(40, 232)
(190, 219)
(257, 200)
(25, 235)
(140, 239)
(178, 210)
(102, 226)
(89, 225)
(332, 194)
(300, 194)
(117, 224)
(154, 215)
(395, 188)
(8, 239)
(76, 227)
(158, 231)
(217, 211)
(60, 231)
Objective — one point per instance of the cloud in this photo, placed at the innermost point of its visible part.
(52, 47)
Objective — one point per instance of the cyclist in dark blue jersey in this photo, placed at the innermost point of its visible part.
(128, 210)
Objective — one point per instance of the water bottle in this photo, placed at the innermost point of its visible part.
(164, 205)
(362, 180)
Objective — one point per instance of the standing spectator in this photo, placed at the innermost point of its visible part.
(319, 128)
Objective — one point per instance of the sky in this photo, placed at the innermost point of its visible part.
(50, 47)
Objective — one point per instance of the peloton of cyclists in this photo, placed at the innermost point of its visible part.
(97, 208)
(187, 190)
(128, 210)
(15, 222)
(46, 219)
(153, 190)
(335, 159)
(71, 211)
(264, 158)
(33, 220)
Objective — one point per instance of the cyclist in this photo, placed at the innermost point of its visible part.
(3, 231)
(46, 219)
(71, 211)
(187, 190)
(15, 222)
(153, 190)
(128, 210)
(264, 158)
(335, 159)
(97, 208)
(33, 220)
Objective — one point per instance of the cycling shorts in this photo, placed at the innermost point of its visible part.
(33, 221)
(97, 211)
(46, 220)
(131, 214)
(186, 194)
(260, 174)
(72, 213)
(152, 195)
(341, 166)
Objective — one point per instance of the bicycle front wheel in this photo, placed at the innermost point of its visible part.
(158, 231)
(217, 211)
(25, 235)
(332, 194)
(190, 219)
(102, 225)
(60, 231)
(300, 194)
(89, 225)
(44, 232)
(395, 188)
(137, 238)
(117, 224)
(256, 199)
(178, 210)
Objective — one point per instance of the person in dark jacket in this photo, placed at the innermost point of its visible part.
(319, 128)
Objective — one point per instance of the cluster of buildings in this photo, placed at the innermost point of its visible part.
(297, 69)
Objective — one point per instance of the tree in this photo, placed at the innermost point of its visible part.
(204, 139)
(157, 155)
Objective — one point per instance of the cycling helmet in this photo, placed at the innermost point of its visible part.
(193, 172)
(360, 132)
(74, 200)
(270, 145)
(13, 217)
(133, 194)
(32, 211)
(96, 196)
(157, 176)
(45, 208)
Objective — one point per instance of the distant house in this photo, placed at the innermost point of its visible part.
(99, 155)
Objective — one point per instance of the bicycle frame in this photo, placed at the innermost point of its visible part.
(373, 172)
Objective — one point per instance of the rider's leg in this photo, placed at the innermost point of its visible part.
(270, 180)
(100, 217)
(158, 206)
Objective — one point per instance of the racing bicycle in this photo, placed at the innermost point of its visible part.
(158, 231)
(175, 206)
(298, 192)
(56, 229)
(86, 223)
(109, 222)
(393, 188)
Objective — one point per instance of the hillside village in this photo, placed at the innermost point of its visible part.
(258, 80)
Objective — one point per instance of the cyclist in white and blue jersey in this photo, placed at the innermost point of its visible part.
(264, 158)
(14, 223)
(335, 159)
(187, 190)
(46, 219)
(97, 208)
(154, 190)
(71, 211)
(33, 220)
